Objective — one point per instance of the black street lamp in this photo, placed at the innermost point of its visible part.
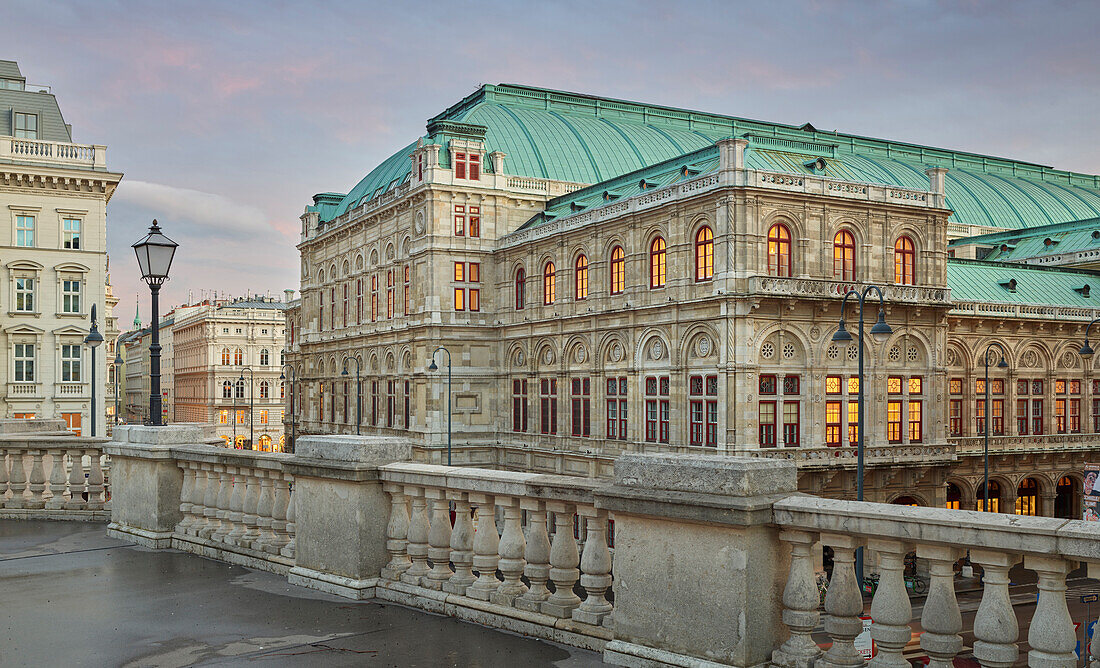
(879, 330)
(358, 390)
(433, 367)
(989, 413)
(154, 256)
(93, 340)
(251, 403)
(118, 369)
(281, 379)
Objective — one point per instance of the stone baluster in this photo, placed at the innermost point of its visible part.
(225, 490)
(995, 626)
(187, 492)
(291, 547)
(279, 507)
(198, 494)
(17, 480)
(564, 560)
(76, 480)
(210, 501)
(439, 539)
(397, 532)
(248, 510)
(57, 479)
(265, 505)
(1051, 633)
(511, 551)
(843, 605)
(37, 481)
(95, 481)
(236, 507)
(3, 477)
(537, 555)
(595, 568)
(486, 546)
(941, 618)
(890, 608)
(462, 546)
(419, 528)
(801, 602)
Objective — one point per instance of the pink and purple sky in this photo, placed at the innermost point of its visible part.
(227, 117)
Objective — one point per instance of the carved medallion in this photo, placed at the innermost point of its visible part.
(657, 350)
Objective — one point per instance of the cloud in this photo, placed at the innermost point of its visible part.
(211, 212)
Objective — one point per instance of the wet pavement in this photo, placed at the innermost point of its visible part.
(71, 596)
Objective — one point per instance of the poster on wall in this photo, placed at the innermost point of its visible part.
(1091, 505)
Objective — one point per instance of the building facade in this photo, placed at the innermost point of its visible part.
(54, 196)
(610, 276)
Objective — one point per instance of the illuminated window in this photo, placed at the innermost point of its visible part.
(460, 274)
(618, 270)
(549, 289)
(779, 251)
(460, 220)
(581, 278)
(893, 421)
(460, 299)
(475, 299)
(893, 385)
(704, 254)
(657, 263)
(521, 281)
(844, 256)
(904, 261)
(474, 226)
(408, 290)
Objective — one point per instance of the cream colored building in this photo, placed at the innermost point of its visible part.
(612, 276)
(227, 360)
(53, 198)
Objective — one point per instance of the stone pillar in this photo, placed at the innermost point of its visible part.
(341, 511)
(694, 533)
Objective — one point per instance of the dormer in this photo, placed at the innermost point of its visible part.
(1009, 285)
(425, 158)
(464, 144)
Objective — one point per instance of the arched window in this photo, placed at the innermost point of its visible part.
(704, 254)
(657, 263)
(265, 389)
(227, 390)
(265, 357)
(238, 357)
(521, 281)
(225, 356)
(582, 277)
(111, 374)
(549, 290)
(618, 270)
(844, 256)
(904, 261)
(779, 250)
(240, 389)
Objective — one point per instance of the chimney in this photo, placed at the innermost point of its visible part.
(288, 296)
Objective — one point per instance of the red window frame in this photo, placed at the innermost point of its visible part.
(408, 286)
(616, 408)
(460, 165)
(834, 412)
(580, 283)
(844, 256)
(460, 220)
(618, 270)
(581, 405)
(1023, 416)
(766, 419)
(916, 424)
(549, 288)
(894, 419)
(657, 267)
(519, 405)
(703, 410)
(521, 282)
(779, 251)
(955, 419)
(473, 227)
(359, 301)
(374, 298)
(389, 293)
(657, 409)
(548, 406)
(474, 164)
(791, 419)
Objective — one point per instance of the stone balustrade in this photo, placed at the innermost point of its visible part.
(53, 152)
(48, 473)
(975, 445)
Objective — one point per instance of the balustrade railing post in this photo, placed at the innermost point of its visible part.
(37, 481)
(210, 501)
(995, 626)
(1051, 633)
(397, 531)
(198, 494)
(844, 605)
(419, 528)
(279, 508)
(511, 551)
(537, 555)
(941, 618)
(3, 474)
(186, 497)
(564, 560)
(236, 506)
(291, 548)
(265, 506)
(95, 480)
(801, 604)
(890, 607)
(225, 490)
(439, 539)
(248, 509)
(595, 568)
(486, 548)
(462, 546)
(57, 479)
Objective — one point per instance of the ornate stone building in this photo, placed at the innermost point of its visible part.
(610, 276)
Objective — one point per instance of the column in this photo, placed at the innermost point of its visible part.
(511, 550)
(419, 528)
(844, 605)
(564, 560)
(397, 531)
(801, 602)
(595, 568)
(995, 626)
(537, 555)
(941, 618)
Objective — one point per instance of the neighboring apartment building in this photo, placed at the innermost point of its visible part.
(53, 254)
(228, 356)
(611, 276)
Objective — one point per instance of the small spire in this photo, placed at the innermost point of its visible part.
(137, 311)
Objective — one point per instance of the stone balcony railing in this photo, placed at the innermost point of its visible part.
(846, 456)
(87, 156)
(1023, 311)
(970, 445)
(48, 473)
(771, 286)
(679, 560)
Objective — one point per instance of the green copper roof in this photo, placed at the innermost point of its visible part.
(1057, 239)
(586, 139)
(981, 281)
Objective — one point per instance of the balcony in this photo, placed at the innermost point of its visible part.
(54, 153)
(771, 286)
(71, 390)
(635, 567)
(975, 445)
(24, 390)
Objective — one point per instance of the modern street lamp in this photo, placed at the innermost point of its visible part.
(251, 402)
(433, 367)
(154, 255)
(879, 330)
(283, 378)
(989, 413)
(118, 367)
(358, 390)
(93, 340)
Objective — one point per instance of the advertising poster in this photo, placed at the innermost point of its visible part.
(1091, 506)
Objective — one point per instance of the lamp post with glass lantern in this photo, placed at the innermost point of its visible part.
(93, 340)
(251, 402)
(154, 255)
(989, 414)
(879, 330)
(358, 391)
(433, 367)
(281, 379)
